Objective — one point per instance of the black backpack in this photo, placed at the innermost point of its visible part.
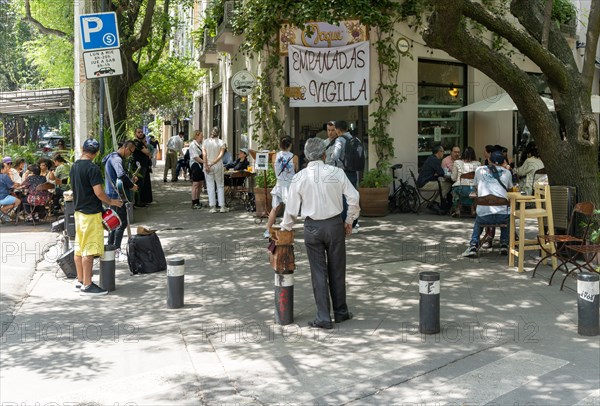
(354, 154)
(145, 254)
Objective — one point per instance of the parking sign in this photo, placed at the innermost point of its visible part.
(99, 31)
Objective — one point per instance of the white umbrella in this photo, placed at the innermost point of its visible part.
(595, 104)
(501, 102)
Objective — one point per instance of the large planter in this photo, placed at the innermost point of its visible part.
(374, 202)
(262, 209)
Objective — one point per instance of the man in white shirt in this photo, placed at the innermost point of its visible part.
(174, 148)
(317, 192)
(494, 180)
(196, 172)
(212, 151)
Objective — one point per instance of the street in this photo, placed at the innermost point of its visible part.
(506, 339)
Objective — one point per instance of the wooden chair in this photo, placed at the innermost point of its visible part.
(562, 241)
(462, 199)
(542, 211)
(425, 196)
(491, 200)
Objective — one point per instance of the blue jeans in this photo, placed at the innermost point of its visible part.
(481, 221)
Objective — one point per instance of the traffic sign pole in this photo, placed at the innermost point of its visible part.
(110, 114)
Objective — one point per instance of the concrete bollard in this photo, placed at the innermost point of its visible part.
(429, 302)
(588, 304)
(107, 268)
(175, 273)
(284, 299)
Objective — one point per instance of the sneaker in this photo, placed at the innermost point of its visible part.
(4, 218)
(504, 249)
(266, 234)
(487, 244)
(470, 252)
(355, 230)
(93, 290)
(213, 210)
(224, 210)
(78, 284)
(197, 206)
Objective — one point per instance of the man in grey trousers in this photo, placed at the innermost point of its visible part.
(317, 192)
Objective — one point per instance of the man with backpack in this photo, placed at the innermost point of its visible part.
(348, 152)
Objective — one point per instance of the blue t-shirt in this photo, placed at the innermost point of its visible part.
(6, 184)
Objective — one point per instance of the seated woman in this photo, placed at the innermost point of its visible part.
(529, 165)
(36, 199)
(463, 187)
(240, 164)
(61, 174)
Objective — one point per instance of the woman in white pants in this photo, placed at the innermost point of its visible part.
(212, 151)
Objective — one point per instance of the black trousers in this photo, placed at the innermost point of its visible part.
(116, 236)
(326, 250)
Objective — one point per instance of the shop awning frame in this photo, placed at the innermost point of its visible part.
(32, 102)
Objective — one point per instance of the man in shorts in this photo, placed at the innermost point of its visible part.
(88, 196)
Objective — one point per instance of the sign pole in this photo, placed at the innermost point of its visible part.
(110, 114)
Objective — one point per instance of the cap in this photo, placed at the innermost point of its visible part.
(244, 150)
(497, 157)
(7, 160)
(92, 146)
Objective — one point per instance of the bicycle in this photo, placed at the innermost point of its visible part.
(404, 198)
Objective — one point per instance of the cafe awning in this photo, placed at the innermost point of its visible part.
(29, 102)
(504, 102)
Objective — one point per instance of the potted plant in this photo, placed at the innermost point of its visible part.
(374, 189)
(264, 182)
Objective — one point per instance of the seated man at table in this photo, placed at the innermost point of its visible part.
(240, 164)
(428, 179)
(495, 180)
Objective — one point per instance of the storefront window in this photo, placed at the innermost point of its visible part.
(217, 106)
(240, 122)
(442, 88)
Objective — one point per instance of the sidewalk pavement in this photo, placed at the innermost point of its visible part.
(506, 339)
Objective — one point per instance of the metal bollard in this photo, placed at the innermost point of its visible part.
(175, 273)
(588, 304)
(429, 302)
(107, 268)
(284, 299)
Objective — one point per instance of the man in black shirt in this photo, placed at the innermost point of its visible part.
(142, 155)
(88, 196)
(428, 178)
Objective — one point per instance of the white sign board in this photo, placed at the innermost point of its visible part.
(243, 83)
(328, 77)
(262, 161)
(99, 31)
(101, 64)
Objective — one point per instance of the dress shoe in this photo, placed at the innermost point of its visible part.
(344, 318)
(321, 324)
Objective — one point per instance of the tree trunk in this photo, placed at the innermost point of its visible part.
(119, 92)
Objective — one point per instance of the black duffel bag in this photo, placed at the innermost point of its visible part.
(145, 254)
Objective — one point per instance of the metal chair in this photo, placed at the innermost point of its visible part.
(423, 199)
(562, 242)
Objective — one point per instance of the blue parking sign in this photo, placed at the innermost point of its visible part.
(99, 31)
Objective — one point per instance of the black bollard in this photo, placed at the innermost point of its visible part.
(107, 268)
(175, 272)
(284, 298)
(588, 309)
(429, 302)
